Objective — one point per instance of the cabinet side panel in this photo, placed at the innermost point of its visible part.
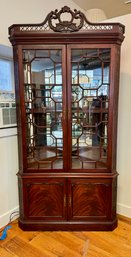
(114, 97)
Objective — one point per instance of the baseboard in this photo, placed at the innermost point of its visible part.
(124, 210)
(124, 218)
(5, 218)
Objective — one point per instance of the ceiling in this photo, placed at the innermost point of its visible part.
(111, 8)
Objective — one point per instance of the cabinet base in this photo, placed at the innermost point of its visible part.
(68, 226)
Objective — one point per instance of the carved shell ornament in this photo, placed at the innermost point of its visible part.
(74, 24)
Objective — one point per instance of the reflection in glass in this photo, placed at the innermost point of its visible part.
(44, 104)
(90, 100)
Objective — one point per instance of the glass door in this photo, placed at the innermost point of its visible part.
(89, 87)
(66, 98)
(45, 100)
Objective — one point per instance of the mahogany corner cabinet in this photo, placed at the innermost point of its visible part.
(67, 83)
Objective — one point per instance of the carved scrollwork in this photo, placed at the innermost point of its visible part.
(74, 24)
(66, 21)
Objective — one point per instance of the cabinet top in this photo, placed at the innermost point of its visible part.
(76, 23)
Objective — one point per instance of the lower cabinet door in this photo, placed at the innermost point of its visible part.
(89, 199)
(44, 199)
(67, 199)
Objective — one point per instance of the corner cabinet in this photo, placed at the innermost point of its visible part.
(67, 80)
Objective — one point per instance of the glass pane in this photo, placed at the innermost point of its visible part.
(90, 101)
(6, 77)
(44, 104)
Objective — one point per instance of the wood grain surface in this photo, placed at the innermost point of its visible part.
(68, 244)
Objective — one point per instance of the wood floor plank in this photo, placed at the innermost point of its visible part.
(68, 244)
(16, 231)
(21, 248)
(5, 253)
(108, 246)
(123, 231)
(70, 240)
(115, 243)
(95, 251)
(54, 246)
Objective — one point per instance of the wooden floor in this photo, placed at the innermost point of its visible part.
(68, 244)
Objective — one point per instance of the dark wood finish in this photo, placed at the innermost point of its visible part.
(88, 199)
(54, 194)
(47, 199)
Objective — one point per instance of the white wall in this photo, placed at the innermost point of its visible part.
(8, 178)
(8, 164)
(17, 11)
(124, 122)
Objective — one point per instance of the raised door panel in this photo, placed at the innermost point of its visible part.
(45, 199)
(89, 199)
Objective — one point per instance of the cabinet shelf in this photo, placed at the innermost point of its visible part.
(76, 110)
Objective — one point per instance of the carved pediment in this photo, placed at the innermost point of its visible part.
(67, 21)
(75, 22)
